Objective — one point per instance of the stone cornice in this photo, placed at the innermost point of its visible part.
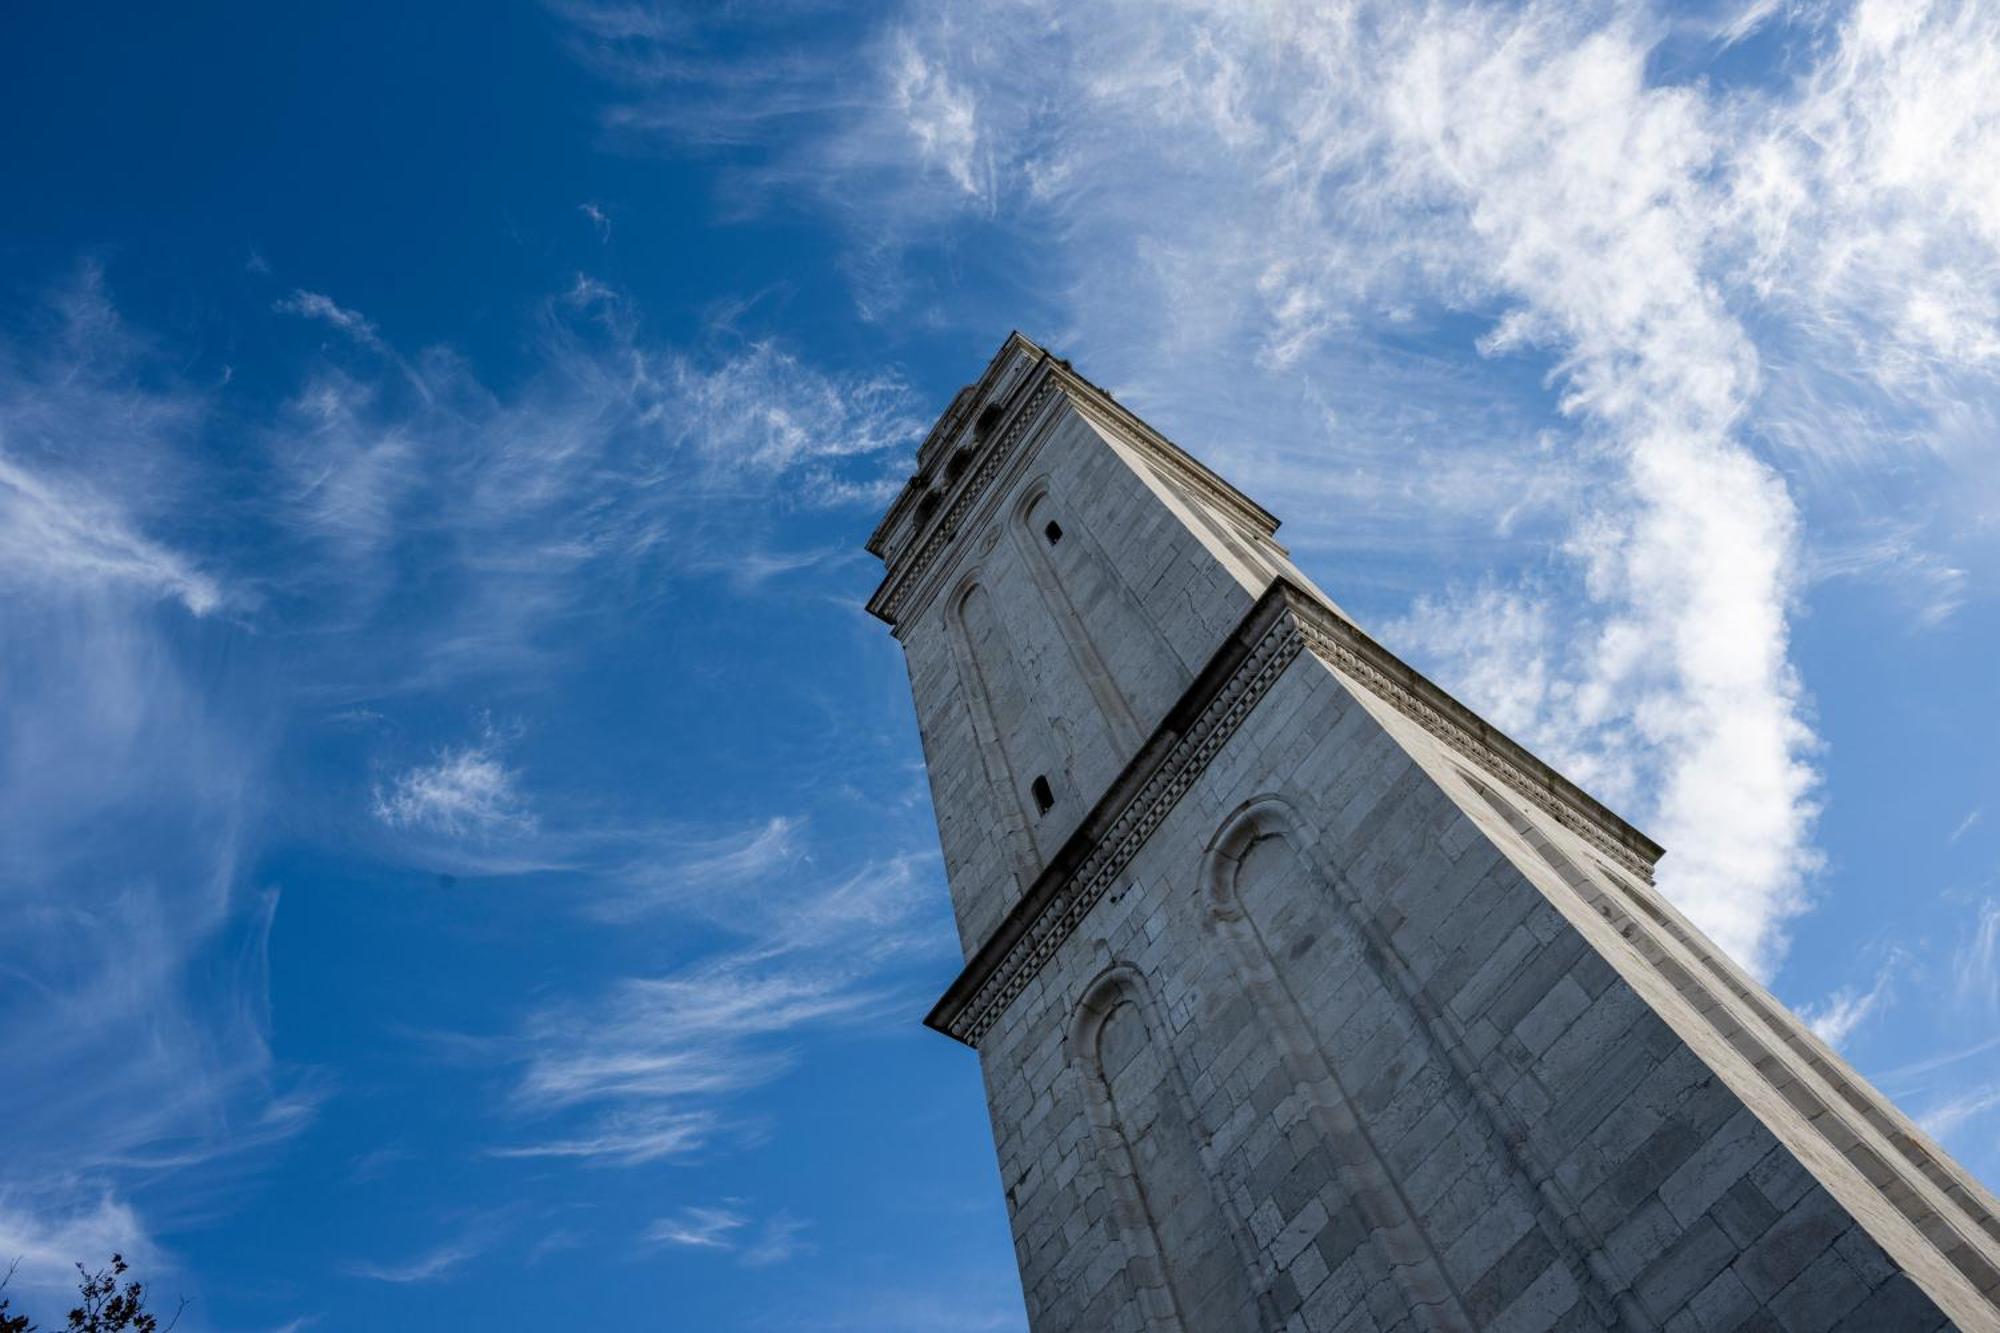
(1117, 827)
(1285, 621)
(949, 423)
(907, 570)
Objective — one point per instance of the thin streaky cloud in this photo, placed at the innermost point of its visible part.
(1947, 1118)
(697, 1227)
(1976, 966)
(1835, 1019)
(778, 1240)
(431, 1265)
(316, 305)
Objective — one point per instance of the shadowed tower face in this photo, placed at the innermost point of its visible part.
(1305, 999)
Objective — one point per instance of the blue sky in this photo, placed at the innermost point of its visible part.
(466, 858)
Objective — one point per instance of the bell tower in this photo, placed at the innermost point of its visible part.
(1307, 1000)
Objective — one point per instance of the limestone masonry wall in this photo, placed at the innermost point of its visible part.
(1345, 971)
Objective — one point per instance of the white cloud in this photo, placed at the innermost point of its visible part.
(59, 531)
(1947, 1117)
(1870, 190)
(1976, 964)
(777, 1240)
(689, 873)
(724, 1229)
(49, 1245)
(1931, 587)
(621, 460)
(314, 305)
(940, 116)
(466, 789)
(698, 1228)
(650, 1063)
(134, 1027)
(430, 1266)
(627, 1136)
(654, 1068)
(762, 410)
(88, 461)
(1835, 1018)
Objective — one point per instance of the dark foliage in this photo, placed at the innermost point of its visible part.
(104, 1306)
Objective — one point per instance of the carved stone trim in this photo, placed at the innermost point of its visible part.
(1051, 910)
(1173, 460)
(1285, 621)
(889, 598)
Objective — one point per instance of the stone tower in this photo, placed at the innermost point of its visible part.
(1306, 1000)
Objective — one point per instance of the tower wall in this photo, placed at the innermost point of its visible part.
(1311, 1001)
(1055, 659)
(1420, 1095)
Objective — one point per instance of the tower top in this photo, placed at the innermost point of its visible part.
(979, 434)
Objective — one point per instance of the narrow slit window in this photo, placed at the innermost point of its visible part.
(1053, 532)
(1045, 799)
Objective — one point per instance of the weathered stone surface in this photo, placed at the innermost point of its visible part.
(1305, 1000)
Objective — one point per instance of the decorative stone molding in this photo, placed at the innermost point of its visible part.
(1285, 621)
(907, 573)
(1090, 863)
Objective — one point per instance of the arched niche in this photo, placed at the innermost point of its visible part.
(1186, 1255)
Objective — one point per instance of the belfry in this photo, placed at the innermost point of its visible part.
(1305, 999)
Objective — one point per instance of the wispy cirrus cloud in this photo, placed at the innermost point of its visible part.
(1706, 309)
(1944, 1119)
(699, 1228)
(779, 1239)
(728, 1229)
(60, 531)
(1834, 1019)
(151, 669)
(133, 1020)
(621, 461)
(688, 873)
(658, 1067)
(1952, 1093)
(434, 1264)
(648, 1068)
(1975, 967)
(316, 305)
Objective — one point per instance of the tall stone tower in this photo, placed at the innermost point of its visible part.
(1306, 1000)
